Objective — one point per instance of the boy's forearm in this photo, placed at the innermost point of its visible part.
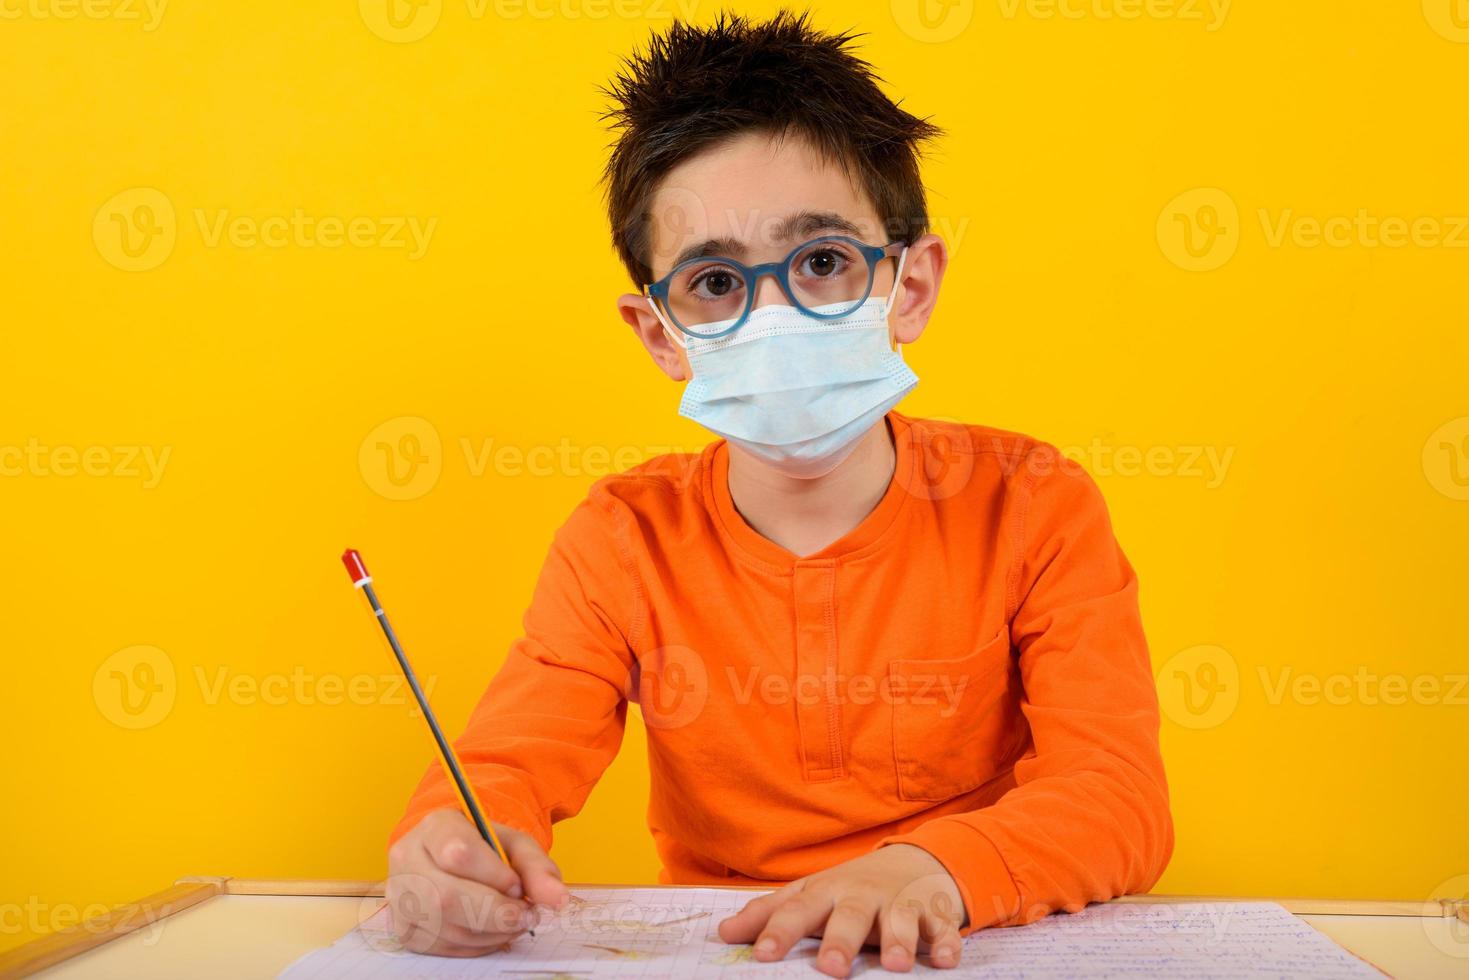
(536, 744)
(1059, 842)
(505, 799)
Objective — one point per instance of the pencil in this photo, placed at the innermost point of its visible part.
(462, 787)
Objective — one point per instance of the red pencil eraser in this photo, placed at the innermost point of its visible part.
(355, 567)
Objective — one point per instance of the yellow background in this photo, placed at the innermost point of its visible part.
(1331, 544)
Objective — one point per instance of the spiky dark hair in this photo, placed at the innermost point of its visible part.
(694, 87)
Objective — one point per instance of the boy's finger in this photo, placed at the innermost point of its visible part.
(791, 922)
(472, 905)
(451, 934)
(539, 875)
(417, 916)
(899, 936)
(846, 930)
(745, 925)
(457, 848)
(490, 914)
(420, 941)
(942, 935)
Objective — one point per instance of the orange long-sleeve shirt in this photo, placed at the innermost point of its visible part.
(965, 671)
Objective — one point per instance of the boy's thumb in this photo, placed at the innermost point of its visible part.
(539, 876)
(545, 887)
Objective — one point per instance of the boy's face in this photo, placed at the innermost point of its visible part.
(754, 199)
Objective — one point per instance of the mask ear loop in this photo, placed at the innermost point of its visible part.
(888, 306)
(668, 328)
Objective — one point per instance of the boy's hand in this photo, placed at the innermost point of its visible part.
(452, 896)
(896, 896)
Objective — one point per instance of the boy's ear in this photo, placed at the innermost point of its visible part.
(671, 358)
(918, 294)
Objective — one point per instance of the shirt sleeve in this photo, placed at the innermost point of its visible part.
(1088, 818)
(552, 718)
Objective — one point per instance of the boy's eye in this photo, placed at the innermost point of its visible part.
(717, 283)
(705, 292)
(823, 263)
(825, 260)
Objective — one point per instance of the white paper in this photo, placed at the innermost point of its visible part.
(653, 933)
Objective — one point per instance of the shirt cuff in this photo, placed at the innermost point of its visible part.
(499, 807)
(985, 884)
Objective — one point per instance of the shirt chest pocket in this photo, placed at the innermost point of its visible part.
(953, 720)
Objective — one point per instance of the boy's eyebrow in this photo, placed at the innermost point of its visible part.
(805, 224)
(731, 248)
(798, 226)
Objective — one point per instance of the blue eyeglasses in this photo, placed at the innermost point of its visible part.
(825, 278)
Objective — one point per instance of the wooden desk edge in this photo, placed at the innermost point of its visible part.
(185, 893)
(63, 944)
(1432, 908)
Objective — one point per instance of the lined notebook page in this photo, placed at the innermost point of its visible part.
(647, 933)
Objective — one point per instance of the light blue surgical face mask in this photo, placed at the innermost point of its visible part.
(794, 391)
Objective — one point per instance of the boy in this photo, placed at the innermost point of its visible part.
(894, 666)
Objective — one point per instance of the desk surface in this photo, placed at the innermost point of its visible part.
(259, 935)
